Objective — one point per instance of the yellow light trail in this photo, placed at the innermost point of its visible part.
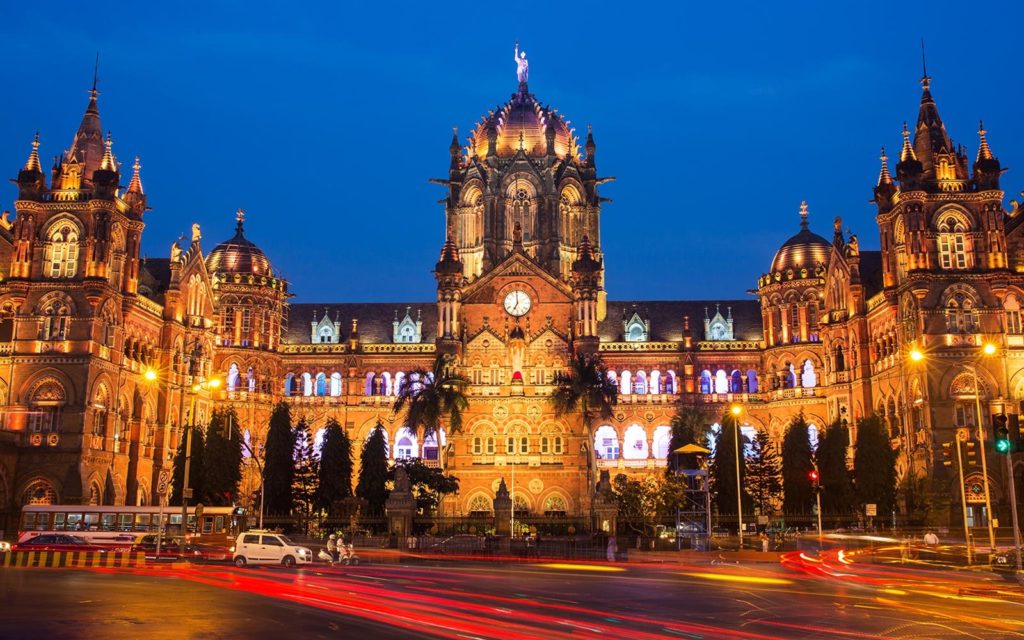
(725, 577)
(580, 567)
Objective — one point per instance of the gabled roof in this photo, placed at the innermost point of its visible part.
(375, 320)
(666, 318)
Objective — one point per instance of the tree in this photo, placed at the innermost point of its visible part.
(222, 459)
(195, 469)
(837, 486)
(279, 462)
(722, 471)
(874, 466)
(429, 484)
(584, 390)
(307, 462)
(429, 397)
(764, 469)
(335, 477)
(638, 501)
(689, 426)
(373, 471)
(797, 464)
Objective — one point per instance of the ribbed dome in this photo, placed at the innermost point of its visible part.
(805, 249)
(238, 255)
(524, 116)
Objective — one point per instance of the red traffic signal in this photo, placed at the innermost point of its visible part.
(813, 475)
(947, 454)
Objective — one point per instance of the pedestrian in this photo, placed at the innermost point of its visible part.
(613, 548)
(931, 539)
(764, 542)
(332, 547)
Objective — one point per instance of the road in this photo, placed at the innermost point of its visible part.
(799, 598)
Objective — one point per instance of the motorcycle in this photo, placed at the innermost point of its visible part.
(348, 555)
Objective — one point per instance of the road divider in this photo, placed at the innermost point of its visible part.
(84, 559)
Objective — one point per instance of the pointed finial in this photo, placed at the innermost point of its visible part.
(803, 215)
(907, 152)
(107, 163)
(925, 79)
(239, 219)
(32, 164)
(522, 142)
(984, 153)
(96, 74)
(135, 186)
(884, 177)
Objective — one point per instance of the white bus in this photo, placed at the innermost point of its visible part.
(118, 526)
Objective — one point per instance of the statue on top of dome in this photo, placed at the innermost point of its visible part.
(522, 65)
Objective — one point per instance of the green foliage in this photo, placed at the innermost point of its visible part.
(638, 501)
(874, 466)
(429, 397)
(837, 485)
(222, 459)
(797, 464)
(927, 504)
(764, 467)
(335, 481)
(722, 470)
(429, 484)
(689, 426)
(195, 473)
(584, 390)
(279, 463)
(373, 471)
(307, 462)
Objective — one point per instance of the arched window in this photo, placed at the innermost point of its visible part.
(289, 382)
(952, 244)
(62, 251)
(721, 381)
(40, 492)
(961, 314)
(479, 506)
(812, 436)
(640, 383)
(606, 443)
(705, 381)
(656, 383)
(736, 382)
(46, 404)
(232, 377)
(335, 384)
(250, 380)
(56, 320)
(307, 384)
(789, 377)
(625, 383)
(387, 388)
(662, 440)
(840, 358)
(808, 378)
(431, 450)
(634, 443)
(614, 378)
(396, 385)
(370, 377)
(405, 445)
(555, 506)
(1012, 309)
(670, 382)
(752, 386)
(812, 321)
(321, 384)
(794, 322)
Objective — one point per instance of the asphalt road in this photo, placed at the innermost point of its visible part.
(800, 598)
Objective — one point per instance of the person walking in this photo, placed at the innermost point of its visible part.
(613, 548)
(764, 542)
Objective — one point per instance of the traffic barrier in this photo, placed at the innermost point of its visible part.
(84, 559)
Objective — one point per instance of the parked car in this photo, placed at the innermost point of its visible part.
(1005, 564)
(266, 547)
(459, 543)
(170, 547)
(58, 542)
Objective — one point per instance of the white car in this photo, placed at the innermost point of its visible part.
(266, 547)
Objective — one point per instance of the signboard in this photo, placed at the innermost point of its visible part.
(188, 493)
(162, 482)
(871, 510)
(762, 519)
(963, 434)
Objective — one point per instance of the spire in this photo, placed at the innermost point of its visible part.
(135, 186)
(450, 261)
(87, 146)
(925, 80)
(803, 215)
(884, 177)
(591, 147)
(107, 163)
(907, 152)
(930, 137)
(239, 221)
(585, 261)
(32, 164)
(984, 153)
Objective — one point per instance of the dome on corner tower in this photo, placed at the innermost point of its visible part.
(239, 255)
(805, 249)
(524, 122)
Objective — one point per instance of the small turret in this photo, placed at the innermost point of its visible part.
(986, 168)
(590, 146)
(135, 196)
(31, 179)
(908, 169)
(885, 188)
(105, 178)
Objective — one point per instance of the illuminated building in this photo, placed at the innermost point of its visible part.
(520, 285)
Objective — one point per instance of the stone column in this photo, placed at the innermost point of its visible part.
(399, 509)
(502, 511)
(605, 507)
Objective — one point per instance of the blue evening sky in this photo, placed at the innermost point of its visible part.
(324, 120)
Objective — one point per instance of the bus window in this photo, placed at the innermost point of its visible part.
(58, 521)
(125, 522)
(109, 521)
(192, 522)
(219, 524)
(207, 524)
(142, 522)
(29, 522)
(91, 521)
(74, 522)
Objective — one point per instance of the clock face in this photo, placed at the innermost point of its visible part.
(517, 303)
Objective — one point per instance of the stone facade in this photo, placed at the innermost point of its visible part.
(520, 287)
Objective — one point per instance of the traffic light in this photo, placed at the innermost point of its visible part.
(972, 455)
(1001, 430)
(1013, 424)
(815, 478)
(947, 454)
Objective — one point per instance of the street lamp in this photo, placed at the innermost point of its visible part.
(736, 410)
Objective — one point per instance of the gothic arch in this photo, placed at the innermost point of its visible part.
(957, 213)
(550, 498)
(46, 230)
(39, 489)
(52, 383)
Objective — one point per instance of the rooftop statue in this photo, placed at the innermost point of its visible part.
(522, 65)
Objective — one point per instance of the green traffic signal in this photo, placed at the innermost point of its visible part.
(1003, 445)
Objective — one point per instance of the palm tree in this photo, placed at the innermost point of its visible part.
(585, 389)
(689, 426)
(428, 397)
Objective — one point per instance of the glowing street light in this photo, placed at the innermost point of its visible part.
(916, 355)
(150, 375)
(736, 410)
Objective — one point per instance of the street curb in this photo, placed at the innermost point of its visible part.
(54, 559)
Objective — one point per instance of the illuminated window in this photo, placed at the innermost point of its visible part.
(490, 445)
(952, 244)
(478, 446)
(510, 445)
(1012, 309)
(55, 321)
(545, 445)
(808, 377)
(62, 251)
(559, 445)
(721, 381)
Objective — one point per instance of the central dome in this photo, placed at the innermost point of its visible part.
(805, 249)
(524, 122)
(239, 255)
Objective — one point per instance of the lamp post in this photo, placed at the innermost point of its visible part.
(736, 410)
(987, 350)
(186, 490)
